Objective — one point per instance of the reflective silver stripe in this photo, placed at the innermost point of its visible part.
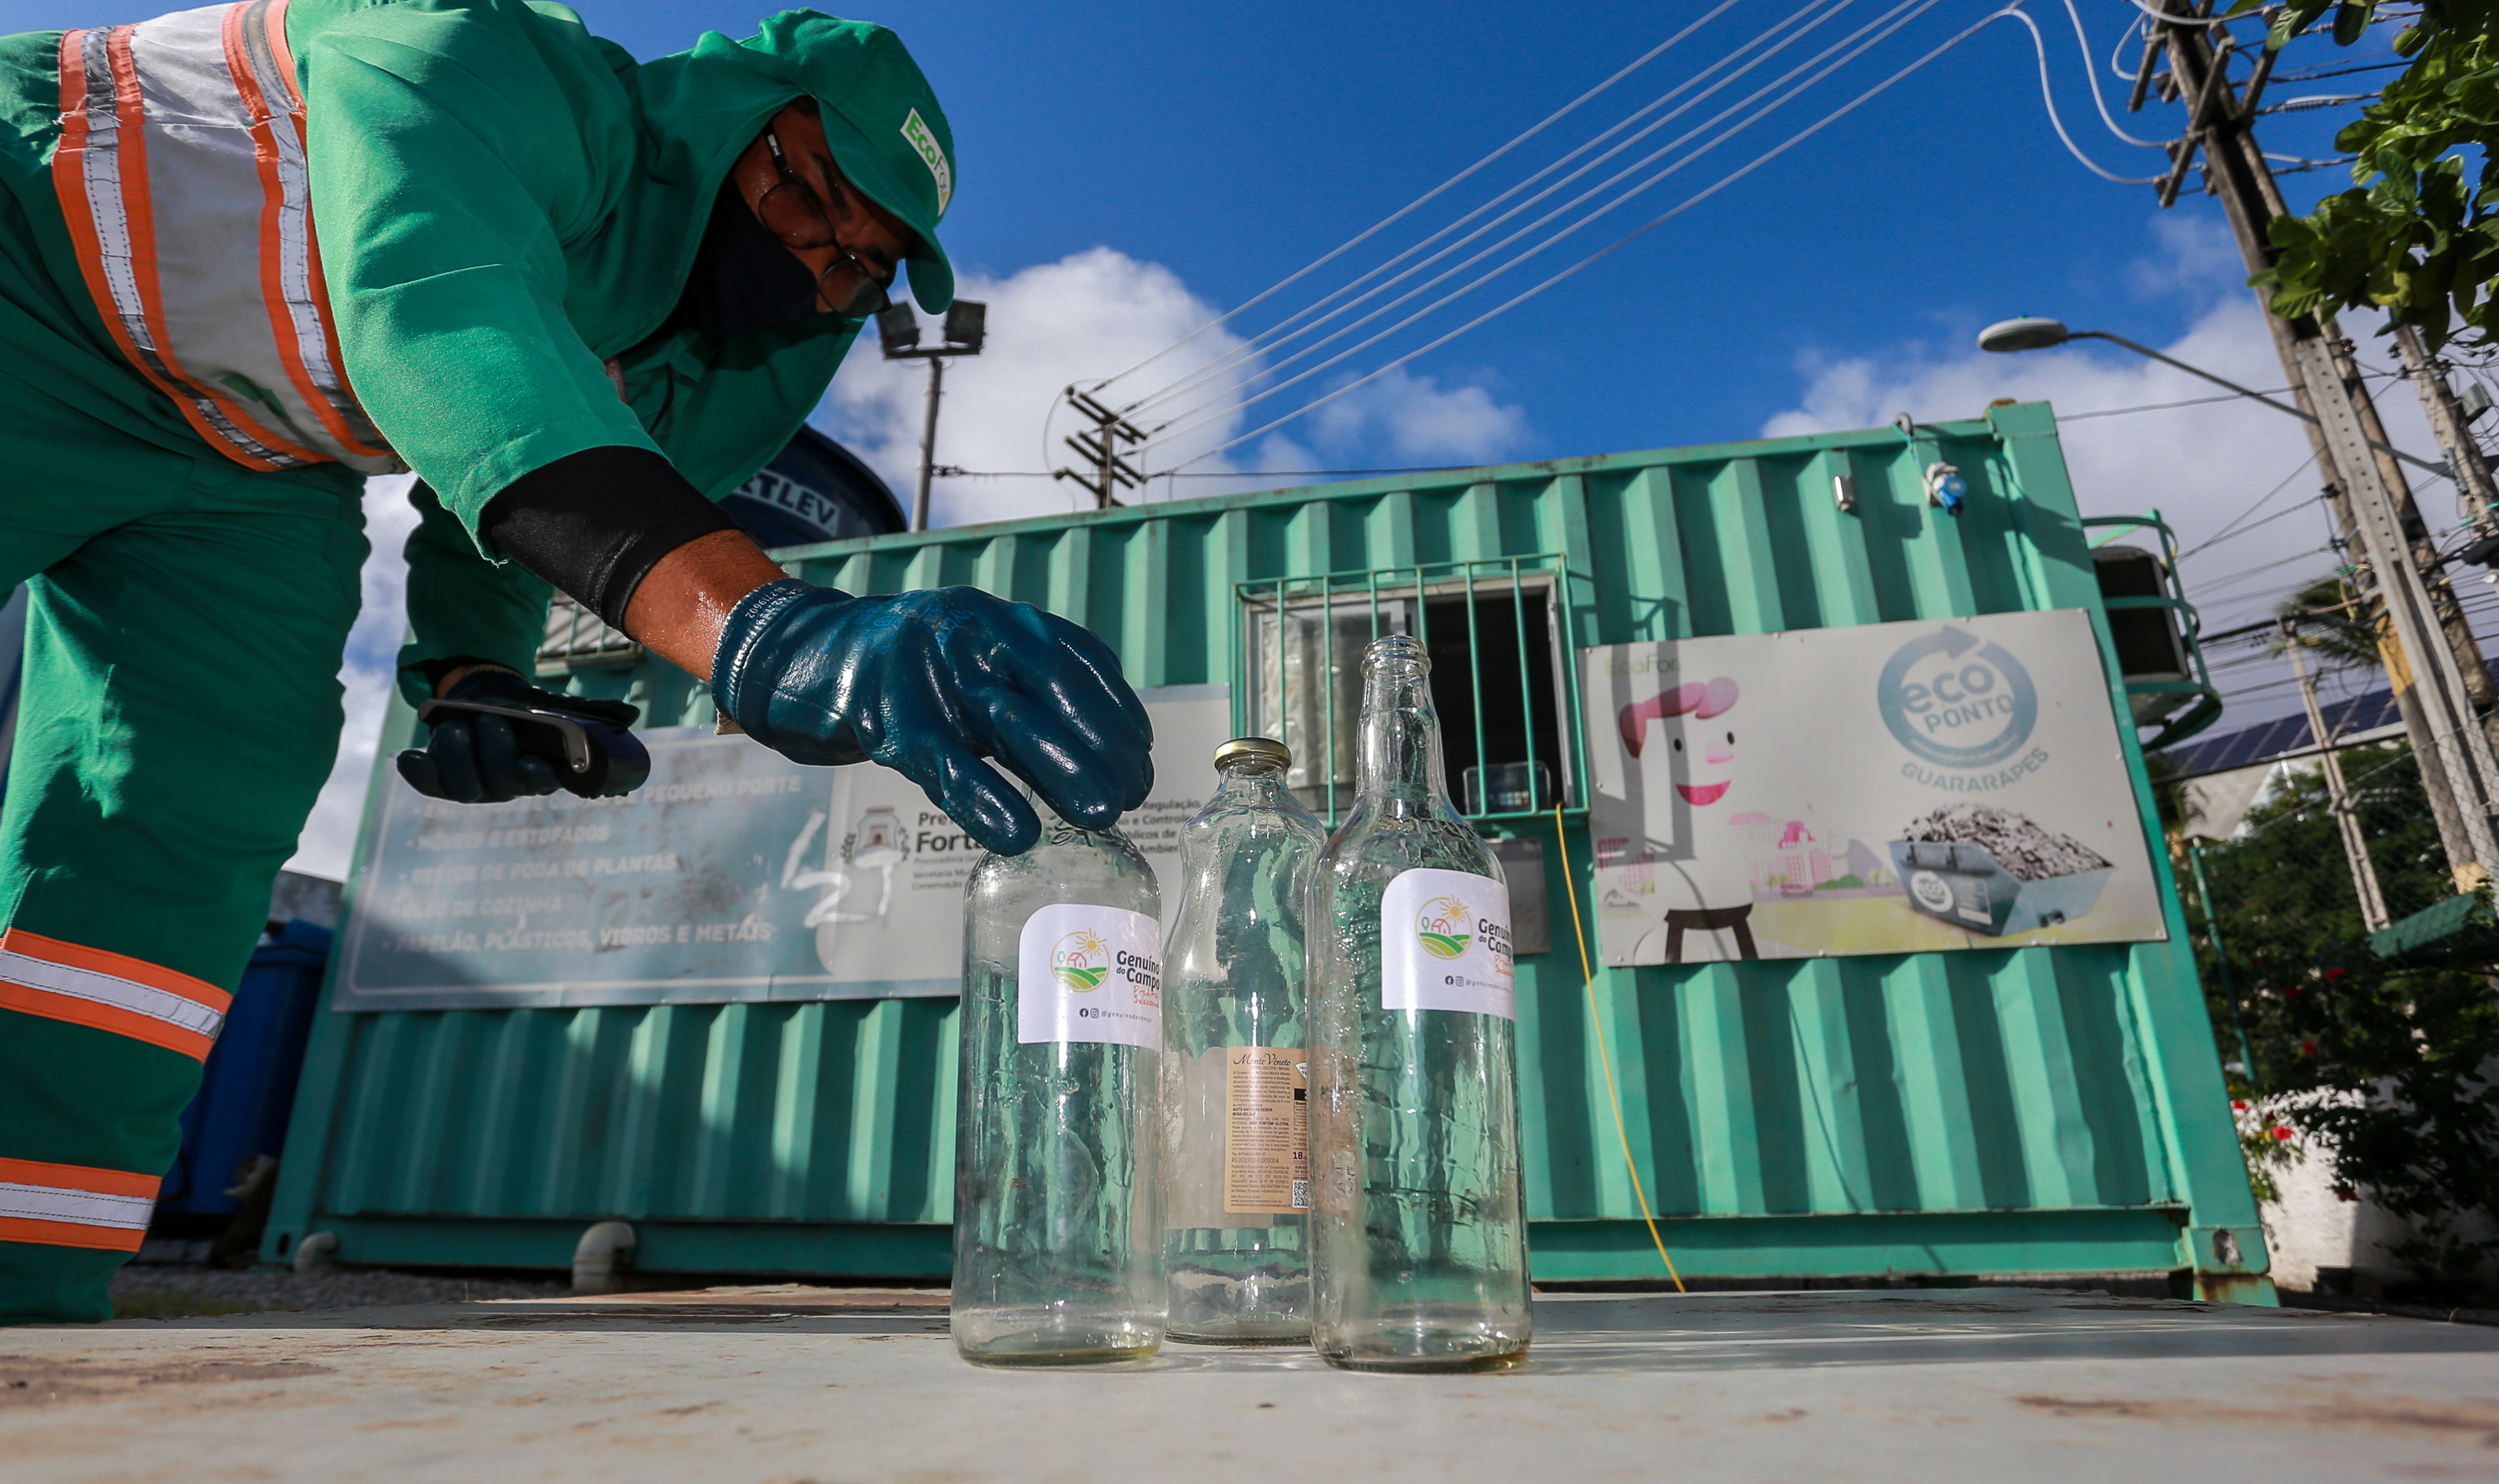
(222, 308)
(295, 245)
(82, 1208)
(111, 989)
(107, 205)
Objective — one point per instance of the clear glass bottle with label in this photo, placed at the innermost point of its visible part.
(1418, 1234)
(1236, 1171)
(1058, 1210)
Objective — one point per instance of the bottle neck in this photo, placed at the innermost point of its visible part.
(1257, 782)
(1401, 733)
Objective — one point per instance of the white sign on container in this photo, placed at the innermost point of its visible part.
(733, 874)
(1884, 789)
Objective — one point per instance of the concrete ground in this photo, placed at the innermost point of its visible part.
(751, 1385)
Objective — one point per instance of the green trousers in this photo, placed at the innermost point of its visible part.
(179, 712)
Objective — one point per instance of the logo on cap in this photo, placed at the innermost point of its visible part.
(917, 134)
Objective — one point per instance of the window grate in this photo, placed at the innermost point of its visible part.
(1510, 732)
(578, 639)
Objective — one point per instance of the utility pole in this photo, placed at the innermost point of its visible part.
(2474, 490)
(897, 329)
(2347, 823)
(1100, 449)
(2442, 687)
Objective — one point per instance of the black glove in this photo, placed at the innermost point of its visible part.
(494, 737)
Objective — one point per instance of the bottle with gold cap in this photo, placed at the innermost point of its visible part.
(1236, 1171)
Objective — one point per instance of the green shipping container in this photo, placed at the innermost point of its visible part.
(1988, 1112)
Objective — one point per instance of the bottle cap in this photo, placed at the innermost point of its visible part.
(1265, 749)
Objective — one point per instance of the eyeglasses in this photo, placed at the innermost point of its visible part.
(792, 210)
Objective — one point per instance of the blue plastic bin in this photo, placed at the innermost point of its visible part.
(249, 1087)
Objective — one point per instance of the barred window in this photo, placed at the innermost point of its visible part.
(1500, 677)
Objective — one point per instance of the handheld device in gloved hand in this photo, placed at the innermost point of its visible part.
(930, 683)
(494, 737)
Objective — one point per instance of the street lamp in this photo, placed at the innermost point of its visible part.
(897, 331)
(2032, 333)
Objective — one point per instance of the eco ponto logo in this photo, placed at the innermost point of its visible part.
(1957, 700)
(1445, 927)
(1080, 960)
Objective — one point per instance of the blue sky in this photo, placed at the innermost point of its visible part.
(1126, 170)
(1232, 144)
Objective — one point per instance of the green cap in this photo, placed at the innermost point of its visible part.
(887, 132)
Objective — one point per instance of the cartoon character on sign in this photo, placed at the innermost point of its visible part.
(1701, 765)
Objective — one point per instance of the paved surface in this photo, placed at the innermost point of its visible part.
(822, 1385)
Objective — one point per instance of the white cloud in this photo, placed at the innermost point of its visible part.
(1414, 418)
(2203, 467)
(329, 836)
(1096, 314)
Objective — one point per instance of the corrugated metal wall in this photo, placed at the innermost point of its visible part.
(1996, 1110)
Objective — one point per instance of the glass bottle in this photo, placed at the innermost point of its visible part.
(1236, 1171)
(1057, 1219)
(1418, 1236)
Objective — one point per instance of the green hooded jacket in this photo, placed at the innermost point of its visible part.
(504, 204)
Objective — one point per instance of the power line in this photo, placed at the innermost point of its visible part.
(1796, 29)
(2160, 407)
(2048, 99)
(2261, 501)
(1550, 120)
(1627, 239)
(2090, 76)
(1574, 203)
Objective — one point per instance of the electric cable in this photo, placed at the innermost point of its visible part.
(1796, 29)
(2315, 100)
(1692, 201)
(2244, 530)
(2261, 501)
(1627, 238)
(2210, 23)
(2048, 99)
(1258, 343)
(1604, 1057)
(2092, 76)
(1550, 120)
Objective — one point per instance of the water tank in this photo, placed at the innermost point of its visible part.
(814, 489)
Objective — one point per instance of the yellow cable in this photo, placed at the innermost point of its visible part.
(1588, 982)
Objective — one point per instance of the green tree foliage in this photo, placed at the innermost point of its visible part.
(2380, 1066)
(2334, 641)
(2419, 235)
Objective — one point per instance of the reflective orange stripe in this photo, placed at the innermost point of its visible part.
(220, 305)
(139, 208)
(111, 992)
(269, 115)
(75, 1205)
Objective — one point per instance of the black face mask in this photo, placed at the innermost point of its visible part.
(743, 280)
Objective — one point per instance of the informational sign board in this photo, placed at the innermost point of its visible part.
(1886, 789)
(733, 874)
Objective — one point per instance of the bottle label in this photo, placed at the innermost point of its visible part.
(1445, 944)
(1266, 1131)
(1090, 974)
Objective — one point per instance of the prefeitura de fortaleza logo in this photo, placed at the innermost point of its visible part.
(1080, 960)
(1445, 927)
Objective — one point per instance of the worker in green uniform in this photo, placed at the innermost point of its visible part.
(253, 252)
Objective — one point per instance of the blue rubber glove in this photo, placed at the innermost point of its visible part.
(489, 759)
(930, 683)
